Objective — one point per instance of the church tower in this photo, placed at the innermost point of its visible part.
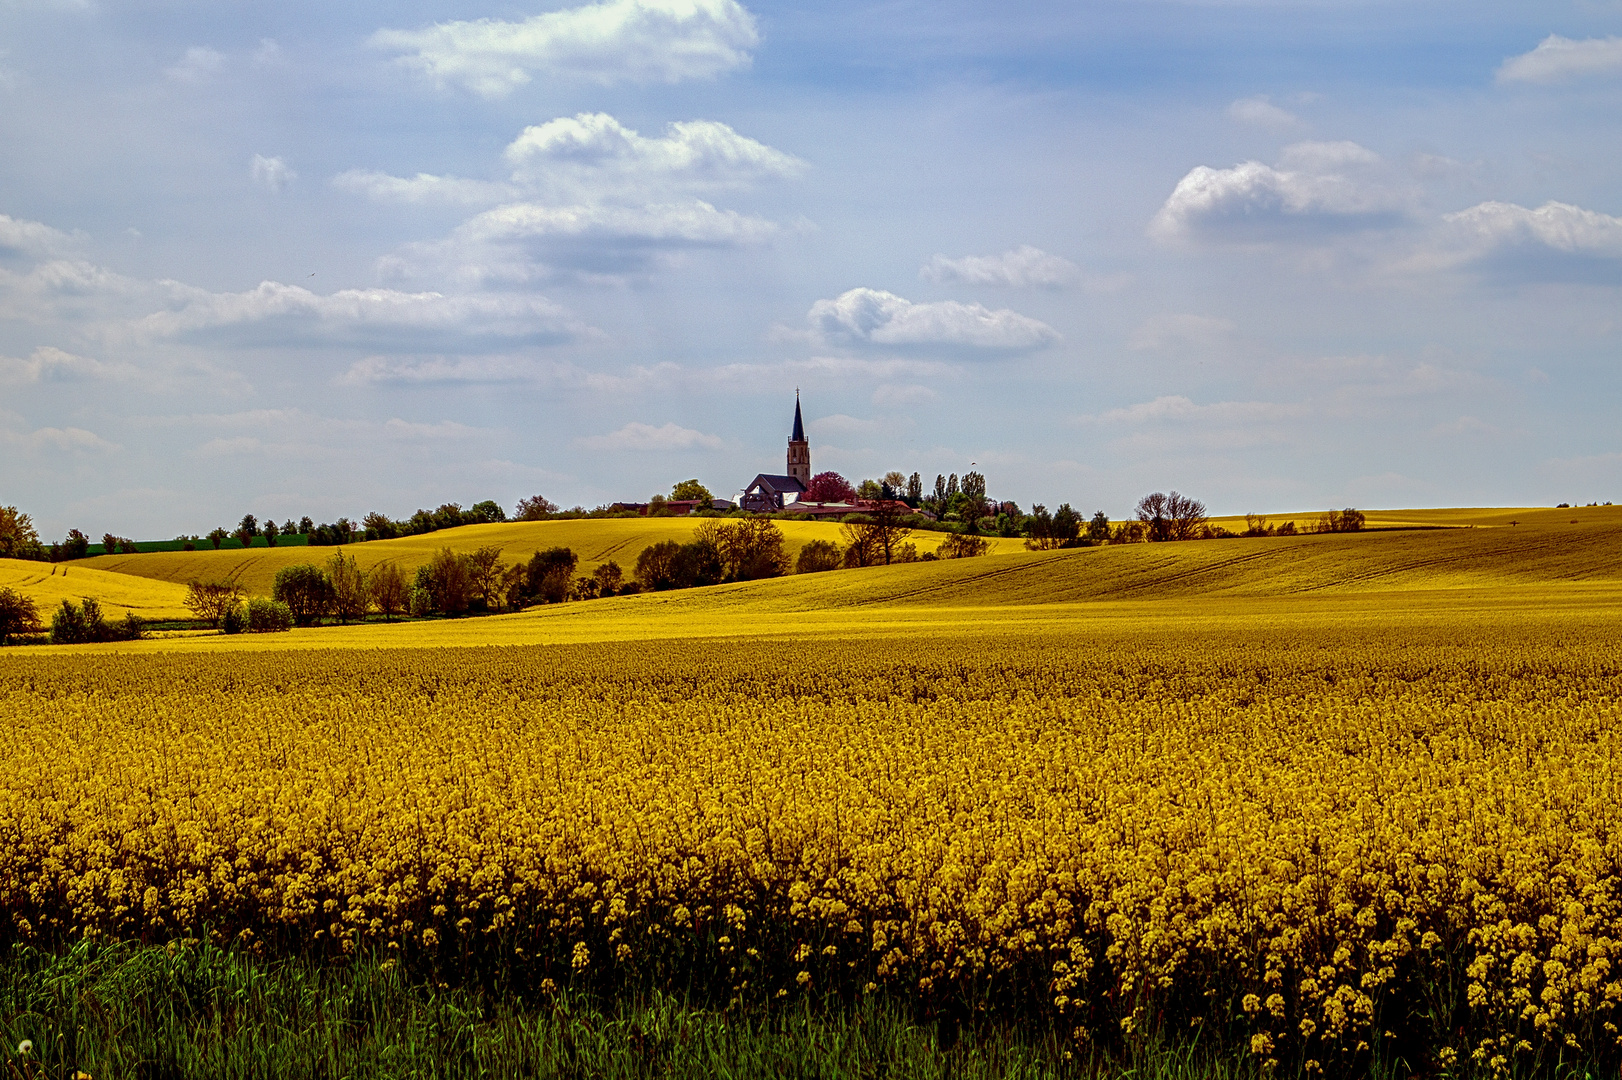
(799, 451)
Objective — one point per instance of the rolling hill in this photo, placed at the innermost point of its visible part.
(49, 584)
(1445, 576)
(594, 541)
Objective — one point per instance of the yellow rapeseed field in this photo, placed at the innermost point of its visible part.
(1315, 795)
(48, 584)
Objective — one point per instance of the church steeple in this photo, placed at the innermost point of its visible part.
(799, 450)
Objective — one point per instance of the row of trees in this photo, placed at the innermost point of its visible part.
(71, 624)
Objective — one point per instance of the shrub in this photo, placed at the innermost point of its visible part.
(818, 556)
(233, 621)
(305, 590)
(18, 615)
(82, 625)
(268, 616)
(210, 600)
(962, 546)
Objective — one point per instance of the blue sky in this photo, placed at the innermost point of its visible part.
(324, 259)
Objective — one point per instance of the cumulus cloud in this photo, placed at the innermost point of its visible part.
(639, 41)
(358, 312)
(596, 152)
(271, 172)
(522, 242)
(871, 316)
(1557, 59)
(637, 436)
(50, 364)
(200, 64)
(1315, 186)
(1260, 112)
(422, 188)
(1021, 268)
(22, 237)
(1557, 240)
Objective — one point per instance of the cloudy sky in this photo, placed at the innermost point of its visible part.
(329, 258)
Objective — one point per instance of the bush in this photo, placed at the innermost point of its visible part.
(210, 600)
(962, 546)
(818, 556)
(84, 625)
(233, 621)
(268, 616)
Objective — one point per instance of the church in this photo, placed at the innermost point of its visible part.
(768, 491)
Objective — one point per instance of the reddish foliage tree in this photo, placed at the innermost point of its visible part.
(829, 487)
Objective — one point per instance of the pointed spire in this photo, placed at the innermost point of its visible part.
(799, 428)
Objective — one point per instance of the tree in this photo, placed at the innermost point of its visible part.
(349, 596)
(388, 591)
(487, 512)
(18, 540)
(818, 556)
(878, 532)
(210, 600)
(1347, 520)
(271, 532)
(18, 615)
(1039, 529)
(870, 489)
(896, 481)
(536, 508)
(243, 536)
(76, 546)
(1170, 517)
(1066, 524)
(915, 490)
(829, 487)
(749, 549)
(485, 568)
(962, 546)
(861, 542)
(609, 577)
(653, 565)
(305, 525)
(691, 489)
(938, 500)
(305, 590)
(268, 616)
(549, 574)
(1098, 528)
(448, 580)
(376, 526)
(974, 499)
(217, 537)
(657, 507)
(249, 524)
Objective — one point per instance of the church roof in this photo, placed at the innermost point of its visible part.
(799, 428)
(776, 483)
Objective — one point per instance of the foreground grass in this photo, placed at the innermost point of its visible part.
(197, 1011)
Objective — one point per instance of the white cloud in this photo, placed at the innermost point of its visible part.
(1560, 226)
(57, 441)
(200, 64)
(49, 364)
(1180, 331)
(636, 436)
(1315, 185)
(1021, 267)
(271, 172)
(690, 224)
(1557, 58)
(23, 237)
(1555, 241)
(596, 153)
(642, 41)
(352, 311)
(422, 188)
(882, 318)
(1260, 112)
